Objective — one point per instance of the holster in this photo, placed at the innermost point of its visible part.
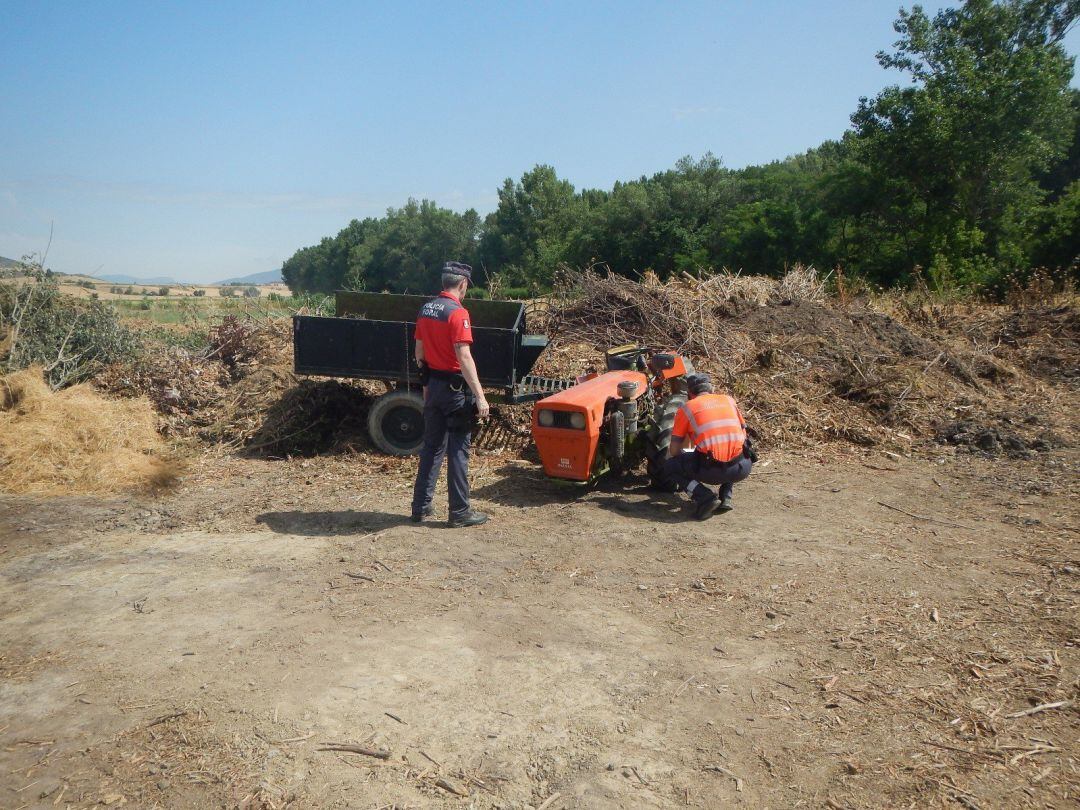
(464, 419)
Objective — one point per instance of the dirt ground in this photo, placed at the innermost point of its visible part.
(862, 631)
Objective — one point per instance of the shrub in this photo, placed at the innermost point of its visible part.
(70, 338)
(251, 292)
(228, 292)
(199, 293)
(513, 293)
(163, 291)
(129, 291)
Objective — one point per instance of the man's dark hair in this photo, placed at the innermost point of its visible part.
(698, 384)
(451, 280)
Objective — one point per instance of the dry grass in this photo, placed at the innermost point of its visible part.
(76, 441)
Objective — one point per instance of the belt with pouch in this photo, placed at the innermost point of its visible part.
(457, 382)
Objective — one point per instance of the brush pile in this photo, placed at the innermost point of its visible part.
(810, 370)
(216, 392)
(75, 440)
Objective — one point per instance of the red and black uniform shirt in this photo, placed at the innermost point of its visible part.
(442, 322)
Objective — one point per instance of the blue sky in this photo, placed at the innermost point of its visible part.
(207, 140)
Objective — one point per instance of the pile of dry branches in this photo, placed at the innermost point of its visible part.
(811, 369)
(678, 315)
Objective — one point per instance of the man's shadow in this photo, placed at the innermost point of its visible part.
(329, 524)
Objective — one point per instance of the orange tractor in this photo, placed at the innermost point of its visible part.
(611, 421)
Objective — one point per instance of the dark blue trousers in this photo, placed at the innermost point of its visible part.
(442, 439)
(687, 467)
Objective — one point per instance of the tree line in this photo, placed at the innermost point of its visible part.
(970, 173)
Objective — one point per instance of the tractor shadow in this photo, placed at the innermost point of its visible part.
(525, 485)
(637, 500)
(330, 524)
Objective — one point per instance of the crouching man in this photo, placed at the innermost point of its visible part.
(722, 454)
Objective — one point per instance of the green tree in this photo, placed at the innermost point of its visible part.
(529, 233)
(404, 252)
(954, 157)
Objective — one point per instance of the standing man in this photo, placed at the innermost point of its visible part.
(722, 453)
(451, 388)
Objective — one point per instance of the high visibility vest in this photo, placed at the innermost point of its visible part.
(714, 425)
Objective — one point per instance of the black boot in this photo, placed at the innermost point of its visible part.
(418, 517)
(705, 502)
(468, 519)
(725, 499)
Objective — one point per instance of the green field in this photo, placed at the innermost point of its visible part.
(194, 310)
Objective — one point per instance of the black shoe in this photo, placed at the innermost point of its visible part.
(725, 504)
(705, 507)
(418, 517)
(468, 519)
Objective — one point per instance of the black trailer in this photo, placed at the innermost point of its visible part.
(370, 337)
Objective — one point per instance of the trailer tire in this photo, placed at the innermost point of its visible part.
(657, 439)
(396, 423)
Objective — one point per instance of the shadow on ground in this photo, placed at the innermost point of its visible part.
(527, 486)
(642, 503)
(325, 524)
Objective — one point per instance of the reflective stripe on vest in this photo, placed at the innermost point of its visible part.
(715, 426)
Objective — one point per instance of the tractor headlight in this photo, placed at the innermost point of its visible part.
(577, 420)
(546, 417)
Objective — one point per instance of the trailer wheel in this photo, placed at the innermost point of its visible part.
(396, 423)
(657, 439)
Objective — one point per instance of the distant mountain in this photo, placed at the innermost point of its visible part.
(269, 277)
(117, 278)
(6, 263)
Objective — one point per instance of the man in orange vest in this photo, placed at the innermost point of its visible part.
(712, 426)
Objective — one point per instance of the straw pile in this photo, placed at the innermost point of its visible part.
(76, 440)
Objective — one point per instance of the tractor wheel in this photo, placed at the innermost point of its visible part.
(657, 438)
(396, 423)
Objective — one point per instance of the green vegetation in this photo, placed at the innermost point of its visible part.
(70, 338)
(969, 171)
(176, 310)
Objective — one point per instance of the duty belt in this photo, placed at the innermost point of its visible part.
(452, 377)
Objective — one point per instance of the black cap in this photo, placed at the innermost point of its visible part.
(457, 269)
(698, 383)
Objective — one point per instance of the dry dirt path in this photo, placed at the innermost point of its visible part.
(813, 648)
